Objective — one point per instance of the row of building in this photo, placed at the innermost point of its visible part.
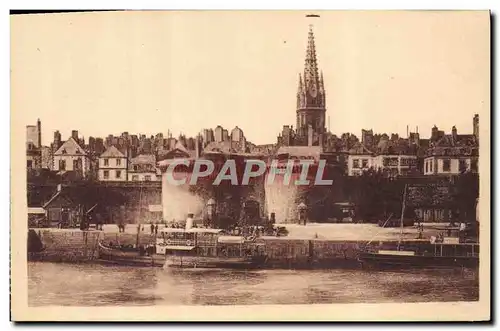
(134, 157)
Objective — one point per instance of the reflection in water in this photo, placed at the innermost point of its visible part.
(99, 285)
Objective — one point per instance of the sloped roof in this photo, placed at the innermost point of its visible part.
(360, 149)
(223, 147)
(70, 147)
(112, 151)
(301, 151)
(144, 159)
(180, 147)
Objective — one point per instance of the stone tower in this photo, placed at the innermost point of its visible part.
(311, 100)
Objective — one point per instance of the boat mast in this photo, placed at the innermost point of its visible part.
(402, 215)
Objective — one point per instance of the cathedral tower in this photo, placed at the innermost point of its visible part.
(311, 100)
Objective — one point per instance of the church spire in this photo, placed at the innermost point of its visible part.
(311, 65)
(300, 89)
(311, 101)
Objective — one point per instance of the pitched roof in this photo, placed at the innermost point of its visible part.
(301, 151)
(112, 151)
(70, 147)
(144, 159)
(180, 147)
(359, 149)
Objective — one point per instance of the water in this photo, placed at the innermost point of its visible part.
(100, 285)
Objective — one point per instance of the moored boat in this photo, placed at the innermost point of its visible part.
(209, 248)
(443, 255)
(132, 256)
(439, 252)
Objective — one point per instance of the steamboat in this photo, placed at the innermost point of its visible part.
(461, 251)
(191, 248)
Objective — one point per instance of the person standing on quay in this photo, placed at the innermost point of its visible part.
(152, 228)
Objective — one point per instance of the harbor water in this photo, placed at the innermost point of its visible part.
(59, 284)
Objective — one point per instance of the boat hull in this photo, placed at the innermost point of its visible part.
(129, 257)
(214, 262)
(417, 261)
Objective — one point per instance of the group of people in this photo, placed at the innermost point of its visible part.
(154, 228)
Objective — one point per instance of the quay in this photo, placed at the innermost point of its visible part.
(312, 246)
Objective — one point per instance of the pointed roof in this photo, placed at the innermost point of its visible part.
(112, 151)
(180, 147)
(70, 147)
(311, 77)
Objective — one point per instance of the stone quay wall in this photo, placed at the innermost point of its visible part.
(283, 252)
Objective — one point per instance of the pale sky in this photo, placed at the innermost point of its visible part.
(148, 72)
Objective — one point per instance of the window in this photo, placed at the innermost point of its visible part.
(426, 166)
(76, 164)
(473, 165)
(118, 174)
(446, 165)
(106, 162)
(462, 165)
(390, 162)
(355, 163)
(62, 165)
(29, 164)
(118, 162)
(135, 178)
(431, 163)
(147, 178)
(364, 163)
(106, 174)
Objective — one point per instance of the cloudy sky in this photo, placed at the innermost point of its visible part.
(149, 72)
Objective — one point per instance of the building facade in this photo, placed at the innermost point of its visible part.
(113, 165)
(143, 168)
(72, 157)
(453, 154)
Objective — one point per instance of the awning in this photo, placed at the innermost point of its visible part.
(231, 240)
(36, 210)
(180, 248)
(204, 230)
(173, 230)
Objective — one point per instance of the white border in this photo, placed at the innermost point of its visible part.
(254, 4)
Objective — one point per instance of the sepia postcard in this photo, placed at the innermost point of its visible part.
(250, 166)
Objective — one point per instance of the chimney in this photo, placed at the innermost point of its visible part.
(74, 134)
(434, 134)
(244, 144)
(197, 147)
(39, 132)
(454, 134)
(475, 126)
(309, 135)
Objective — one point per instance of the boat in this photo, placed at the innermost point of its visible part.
(190, 248)
(130, 256)
(209, 248)
(438, 252)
